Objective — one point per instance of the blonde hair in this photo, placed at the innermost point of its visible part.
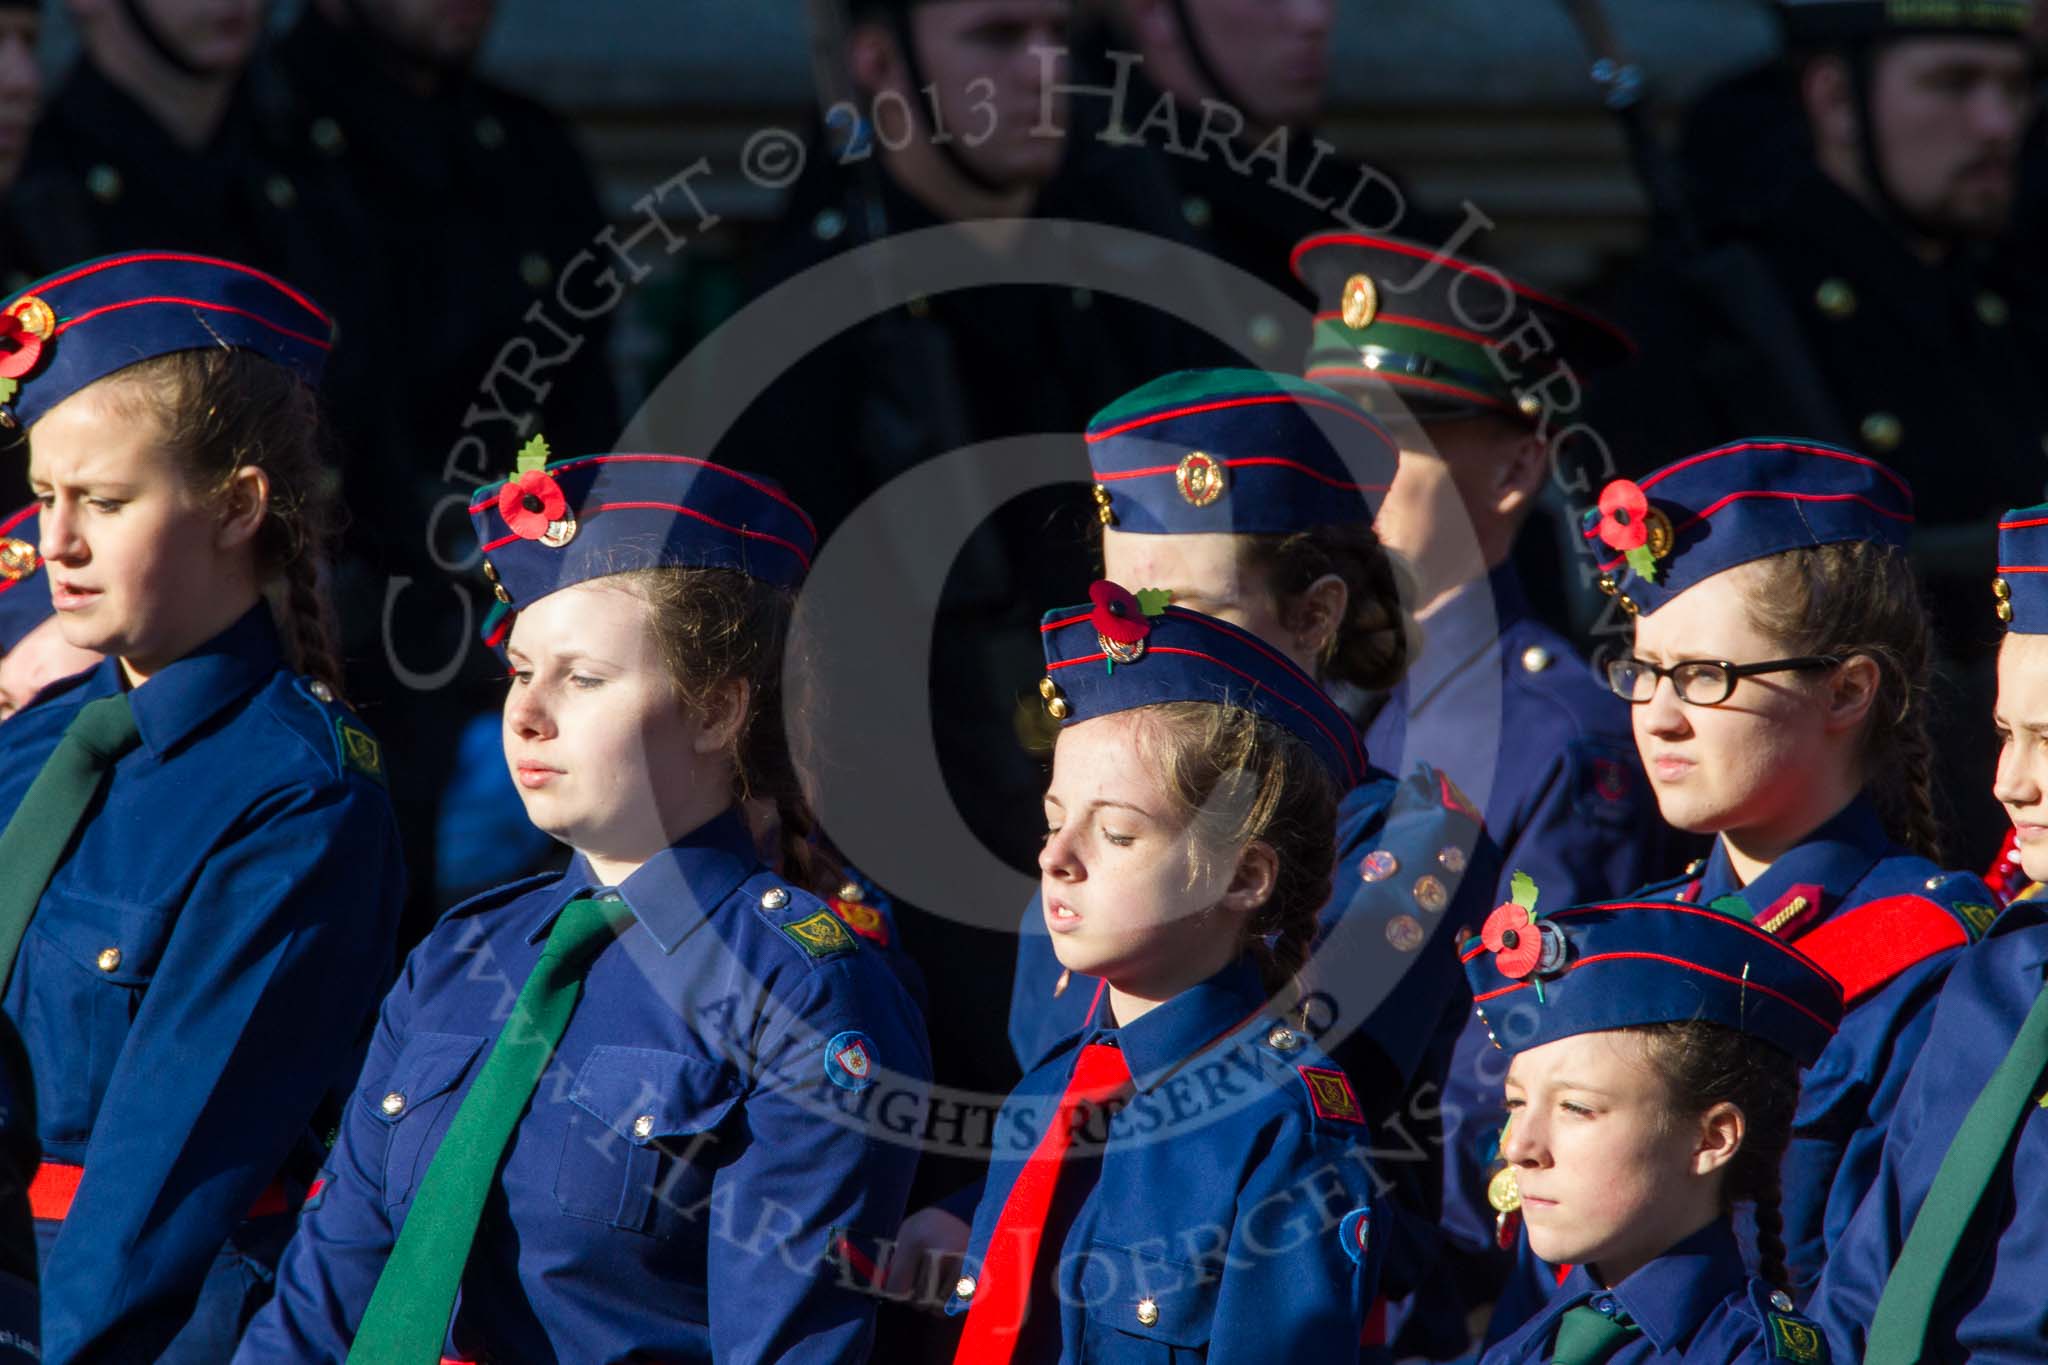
(1233, 777)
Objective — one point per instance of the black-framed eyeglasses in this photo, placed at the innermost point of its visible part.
(1702, 682)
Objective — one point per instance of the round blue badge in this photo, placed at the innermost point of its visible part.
(1352, 1233)
(850, 1060)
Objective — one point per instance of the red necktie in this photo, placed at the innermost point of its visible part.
(1003, 1295)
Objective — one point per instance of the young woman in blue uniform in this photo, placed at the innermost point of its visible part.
(641, 1109)
(1779, 673)
(1655, 1054)
(199, 873)
(1943, 1260)
(1188, 1173)
(33, 650)
(1249, 496)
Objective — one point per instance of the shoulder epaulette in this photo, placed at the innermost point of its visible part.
(1867, 947)
(1788, 1335)
(804, 920)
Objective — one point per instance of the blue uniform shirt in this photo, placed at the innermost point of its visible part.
(198, 977)
(1559, 780)
(1232, 1215)
(1695, 1303)
(706, 1136)
(1846, 1099)
(1398, 963)
(1992, 1310)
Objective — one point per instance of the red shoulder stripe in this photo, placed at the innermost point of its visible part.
(1865, 948)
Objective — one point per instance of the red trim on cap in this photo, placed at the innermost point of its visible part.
(1244, 637)
(1244, 462)
(1210, 658)
(1415, 381)
(2021, 568)
(139, 257)
(1865, 948)
(1302, 399)
(1746, 495)
(69, 323)
(1673, 961)
(1420, 324)
(1740, 446)
(757, 485)
(15, 519)
(802, 558)
(1409, 249)
(2017, 525)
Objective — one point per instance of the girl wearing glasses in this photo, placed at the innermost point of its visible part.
(1778, 675)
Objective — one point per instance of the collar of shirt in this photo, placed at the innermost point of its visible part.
(181, 697)
(1160, 1041)
(1834, 857)
(1671, 1296)
(1467, 624)
(673, 893)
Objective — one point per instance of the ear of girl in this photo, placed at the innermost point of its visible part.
(173, 445)
(1780, 680)
(1651, 1088)
(1190, 826)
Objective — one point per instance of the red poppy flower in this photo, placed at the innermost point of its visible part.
(1512, 937)
(20, 348)
(1117, 615)
(529, 502)
(1624, 515)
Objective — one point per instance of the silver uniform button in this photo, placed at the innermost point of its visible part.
(643, 1125)
(1148, 1311)
(1781, 1301)
(320, 690)
(774, 898)
(1283, 1038)
(393, 1104)
(1535, 659)
(964, 1287)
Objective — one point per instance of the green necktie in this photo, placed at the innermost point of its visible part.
(32, 847)
(1899, 1326)
(406, 1321)
(1587, 1336)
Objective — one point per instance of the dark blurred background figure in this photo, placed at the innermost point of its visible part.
(478, 198)
(170, 131)
(1212, 140)
(21, 92)
(1867, 306)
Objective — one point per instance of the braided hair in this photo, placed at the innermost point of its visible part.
(1705, 1064)
(225, 410)
(1859, 597)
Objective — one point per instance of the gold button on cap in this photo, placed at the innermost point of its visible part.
(110, 959)
(964, 1287)
(2005, 612)
(393, 1102)
(1148, 1311)
(643, 1125)
(774, 898)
